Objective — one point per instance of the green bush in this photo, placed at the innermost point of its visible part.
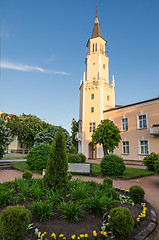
(112, 165)
(137, 193)
(74, 158)
(57, 164)
(37, 156)
(157, 167)
(27, 175)
(79, 193)
(14, 221)
(96, 205)
(73, 149)
(82, 157)
(150, 160)
(71, 211)
(42, 210)
(121, 221)
(108, 181)
(6, 195)
(69, 175)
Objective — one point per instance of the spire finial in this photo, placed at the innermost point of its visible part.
(96, 10)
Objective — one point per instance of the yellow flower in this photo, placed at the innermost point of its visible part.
(86, 235)
(61, 235)
(94, 233)
(78, 238)
(137, 180)
(138, 219)
(81, 235)
(42, 235)
(73, 236)
(53, 235)
(64, 238)
(99, 182)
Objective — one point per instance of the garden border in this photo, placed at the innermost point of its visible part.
(150, 228)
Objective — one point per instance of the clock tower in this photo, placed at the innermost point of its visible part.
(96, 94)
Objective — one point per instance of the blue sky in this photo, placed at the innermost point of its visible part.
(43, 48)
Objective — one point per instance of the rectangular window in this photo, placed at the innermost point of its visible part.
(103, 66)
(96, 46)
(143, 147)
(142, 122)
(92, 109)
(93, 47)
(92, 96)
(124, 124)
(92, 126)
(126, 147)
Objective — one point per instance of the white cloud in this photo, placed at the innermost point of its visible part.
(27, 68)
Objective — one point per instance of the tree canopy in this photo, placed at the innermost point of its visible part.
(74, 130)
(25, 127)
(5, 138)
(107, 134)
(48, 134)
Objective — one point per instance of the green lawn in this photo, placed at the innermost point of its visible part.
(13, 158)
(20, 166)
(129, 172)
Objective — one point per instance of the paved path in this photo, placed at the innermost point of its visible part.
(150, 185)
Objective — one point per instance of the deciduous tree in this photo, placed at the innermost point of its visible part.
(107, 134)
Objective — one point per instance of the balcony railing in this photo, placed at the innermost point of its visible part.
(154, 129)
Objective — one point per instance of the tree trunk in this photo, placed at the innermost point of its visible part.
(105, 150)
(23, 148)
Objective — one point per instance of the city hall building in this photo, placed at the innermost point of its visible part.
(137, 122)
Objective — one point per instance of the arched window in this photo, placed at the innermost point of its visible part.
(93, 47)
(96, 46)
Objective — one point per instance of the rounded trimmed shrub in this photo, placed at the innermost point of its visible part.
(112, 165)
(121, 221)
(27, 174)
(157, 167)
(137, 193)
(150, 160)
(74, 158)
(38, 155)
(82, 157)
(108, 181)
(14, 221)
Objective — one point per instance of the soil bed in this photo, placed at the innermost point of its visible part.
(88, 223)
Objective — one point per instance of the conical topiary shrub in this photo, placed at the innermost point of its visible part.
(57, 163)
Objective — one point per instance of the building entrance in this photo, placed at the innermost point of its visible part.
(92, 151)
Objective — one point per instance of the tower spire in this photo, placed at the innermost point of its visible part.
(96, 29)
(96, 10)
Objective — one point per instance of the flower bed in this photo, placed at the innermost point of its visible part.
(93, 221)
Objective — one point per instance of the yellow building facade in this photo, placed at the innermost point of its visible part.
(138, 122)
(139, 128)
